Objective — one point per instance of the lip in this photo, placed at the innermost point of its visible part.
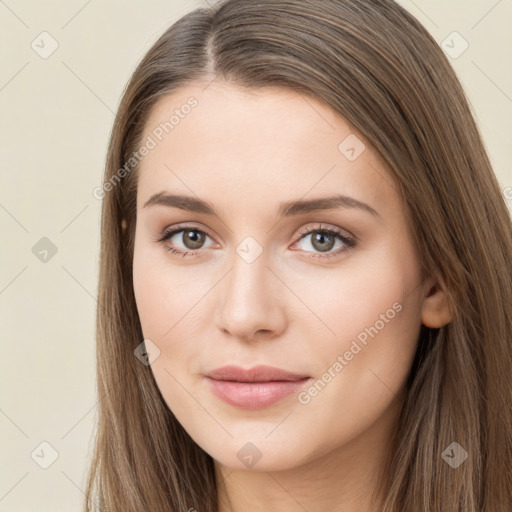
(254, 388)
(260, 373)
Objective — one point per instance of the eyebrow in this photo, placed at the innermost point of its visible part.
(287, 209)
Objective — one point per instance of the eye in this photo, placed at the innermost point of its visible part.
(190, 238)
(324, 241)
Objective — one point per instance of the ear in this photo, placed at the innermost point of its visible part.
(436, 311)
(123, 224)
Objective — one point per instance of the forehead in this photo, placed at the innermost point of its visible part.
(220, 141)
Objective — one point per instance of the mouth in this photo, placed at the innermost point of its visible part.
(254, 388)
(260, 373)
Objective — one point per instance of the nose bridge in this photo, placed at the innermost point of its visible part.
(249, 301)
(249, 277)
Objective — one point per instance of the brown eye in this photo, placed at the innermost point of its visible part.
(193, 239)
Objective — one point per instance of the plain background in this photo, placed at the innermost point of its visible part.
(56, 117)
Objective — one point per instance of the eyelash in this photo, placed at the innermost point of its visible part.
(347, 241)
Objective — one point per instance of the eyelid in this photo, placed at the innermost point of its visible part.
(172, 230)
(328, 228)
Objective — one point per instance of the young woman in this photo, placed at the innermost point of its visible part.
(241, 365)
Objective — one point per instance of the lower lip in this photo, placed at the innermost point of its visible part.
(254, 395)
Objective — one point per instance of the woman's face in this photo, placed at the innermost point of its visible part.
(252, 278)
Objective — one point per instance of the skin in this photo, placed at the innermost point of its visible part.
(246, 151)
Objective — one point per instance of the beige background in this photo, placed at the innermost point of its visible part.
(56, 117)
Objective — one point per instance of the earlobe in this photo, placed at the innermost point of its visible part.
(436, 311)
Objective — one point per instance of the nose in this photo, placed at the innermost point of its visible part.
(251, 301)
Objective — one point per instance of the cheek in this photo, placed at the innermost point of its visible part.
(170, 312)
(369, 313)
(150, 294)
(165, 296)
(361, 362)
(352, 297)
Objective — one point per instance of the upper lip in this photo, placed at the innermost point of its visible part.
(259, 373)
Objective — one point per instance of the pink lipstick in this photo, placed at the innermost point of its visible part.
(254, 388)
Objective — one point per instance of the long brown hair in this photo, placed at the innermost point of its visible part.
(374, 64)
